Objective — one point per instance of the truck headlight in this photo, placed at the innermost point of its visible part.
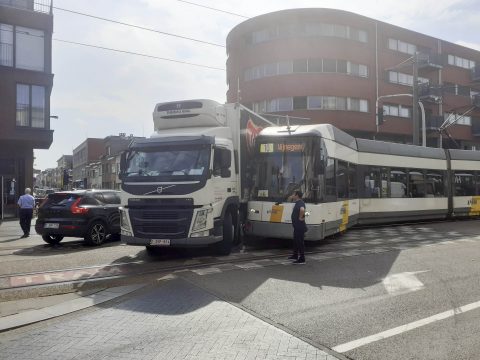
(200, 220)
(124, 224)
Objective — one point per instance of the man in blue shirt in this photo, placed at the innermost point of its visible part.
(26, 203)
(299, 228)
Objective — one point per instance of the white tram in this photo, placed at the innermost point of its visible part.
(348, 181)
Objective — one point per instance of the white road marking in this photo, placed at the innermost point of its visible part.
(206, 271)
(404, 328)
(403, 282)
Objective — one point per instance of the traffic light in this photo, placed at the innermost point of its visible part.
(380, 115)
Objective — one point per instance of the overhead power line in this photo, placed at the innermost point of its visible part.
(139, 54)
(138, 27)
(214, 9)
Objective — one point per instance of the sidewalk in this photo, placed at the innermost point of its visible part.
(175, 320)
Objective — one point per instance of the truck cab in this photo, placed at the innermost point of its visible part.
(180, 187)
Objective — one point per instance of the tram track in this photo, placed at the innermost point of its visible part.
(138, 268)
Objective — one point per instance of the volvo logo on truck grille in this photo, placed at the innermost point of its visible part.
(159, 189)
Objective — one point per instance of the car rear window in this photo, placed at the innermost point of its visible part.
(60, 199)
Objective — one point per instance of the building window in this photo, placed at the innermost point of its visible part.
(460, 62)
(6, 45)
(30, 47)
(397, 110)
(458, 119)
(395, 77)
(30, 106)
(401, 46)
(316, 65)
(282, 104)
(309, 29)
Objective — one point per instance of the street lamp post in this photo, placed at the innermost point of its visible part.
(424, 134)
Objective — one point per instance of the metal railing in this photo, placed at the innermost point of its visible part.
(43, 6)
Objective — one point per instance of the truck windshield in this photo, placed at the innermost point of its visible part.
(283, 166)
(174, 163)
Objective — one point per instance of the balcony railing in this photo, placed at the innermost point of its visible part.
(433, 122)
(430, 61)
(43, 6)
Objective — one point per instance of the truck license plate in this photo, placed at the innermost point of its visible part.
(160, 242)
(51, 225)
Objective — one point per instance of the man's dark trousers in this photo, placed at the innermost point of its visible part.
(298, 242)
(26, 220)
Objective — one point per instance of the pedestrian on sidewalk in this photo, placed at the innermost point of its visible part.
(299, 228)
(26, 203)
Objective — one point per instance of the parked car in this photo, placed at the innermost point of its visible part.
(91, 214)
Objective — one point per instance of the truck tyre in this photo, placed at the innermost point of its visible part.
(52, 239)
(224, 247)
(96, 234)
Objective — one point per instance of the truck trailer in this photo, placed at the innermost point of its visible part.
(188, 184)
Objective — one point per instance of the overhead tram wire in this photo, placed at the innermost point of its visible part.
(138, 27)
(214, 9)
(139, 54)
(117, 50)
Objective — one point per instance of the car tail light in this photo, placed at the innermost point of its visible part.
(75, 209)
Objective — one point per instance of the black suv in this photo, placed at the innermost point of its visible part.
(91, 214)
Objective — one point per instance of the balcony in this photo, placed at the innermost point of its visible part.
(428, 93)
(475, 75)
(433, 122)
(476, 100)
(43, 6)
(475, 126)
(430, 62)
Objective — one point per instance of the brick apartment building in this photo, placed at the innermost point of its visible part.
(26, 81)
(84, 158)
(331, 66)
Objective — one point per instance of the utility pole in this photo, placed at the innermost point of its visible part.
(415, 122)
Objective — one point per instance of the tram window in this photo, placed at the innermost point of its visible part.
(352, 181)
(435, 183)
(416, 184)
(398, 183)
(384, 183)
(342, 180)
(464, 183)
(372, 183)
(330, 189)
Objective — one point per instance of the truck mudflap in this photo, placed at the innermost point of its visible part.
(182, 242)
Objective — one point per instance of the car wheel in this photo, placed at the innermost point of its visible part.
(97, 233)
(52, 239)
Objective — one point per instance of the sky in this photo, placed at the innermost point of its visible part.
(97, 93)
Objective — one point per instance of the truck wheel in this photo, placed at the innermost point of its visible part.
(52, 239)
(224, 247)
(96, 234)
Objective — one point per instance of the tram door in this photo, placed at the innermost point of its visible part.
(9, 197)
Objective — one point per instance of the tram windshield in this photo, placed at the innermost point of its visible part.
(283, 166)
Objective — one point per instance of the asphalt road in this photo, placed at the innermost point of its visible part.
(404, 303)
(406, 292)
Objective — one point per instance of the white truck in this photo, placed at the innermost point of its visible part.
(187, 185)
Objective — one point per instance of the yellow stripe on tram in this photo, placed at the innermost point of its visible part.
(475, 206)
(345, 212)
(276, 214)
